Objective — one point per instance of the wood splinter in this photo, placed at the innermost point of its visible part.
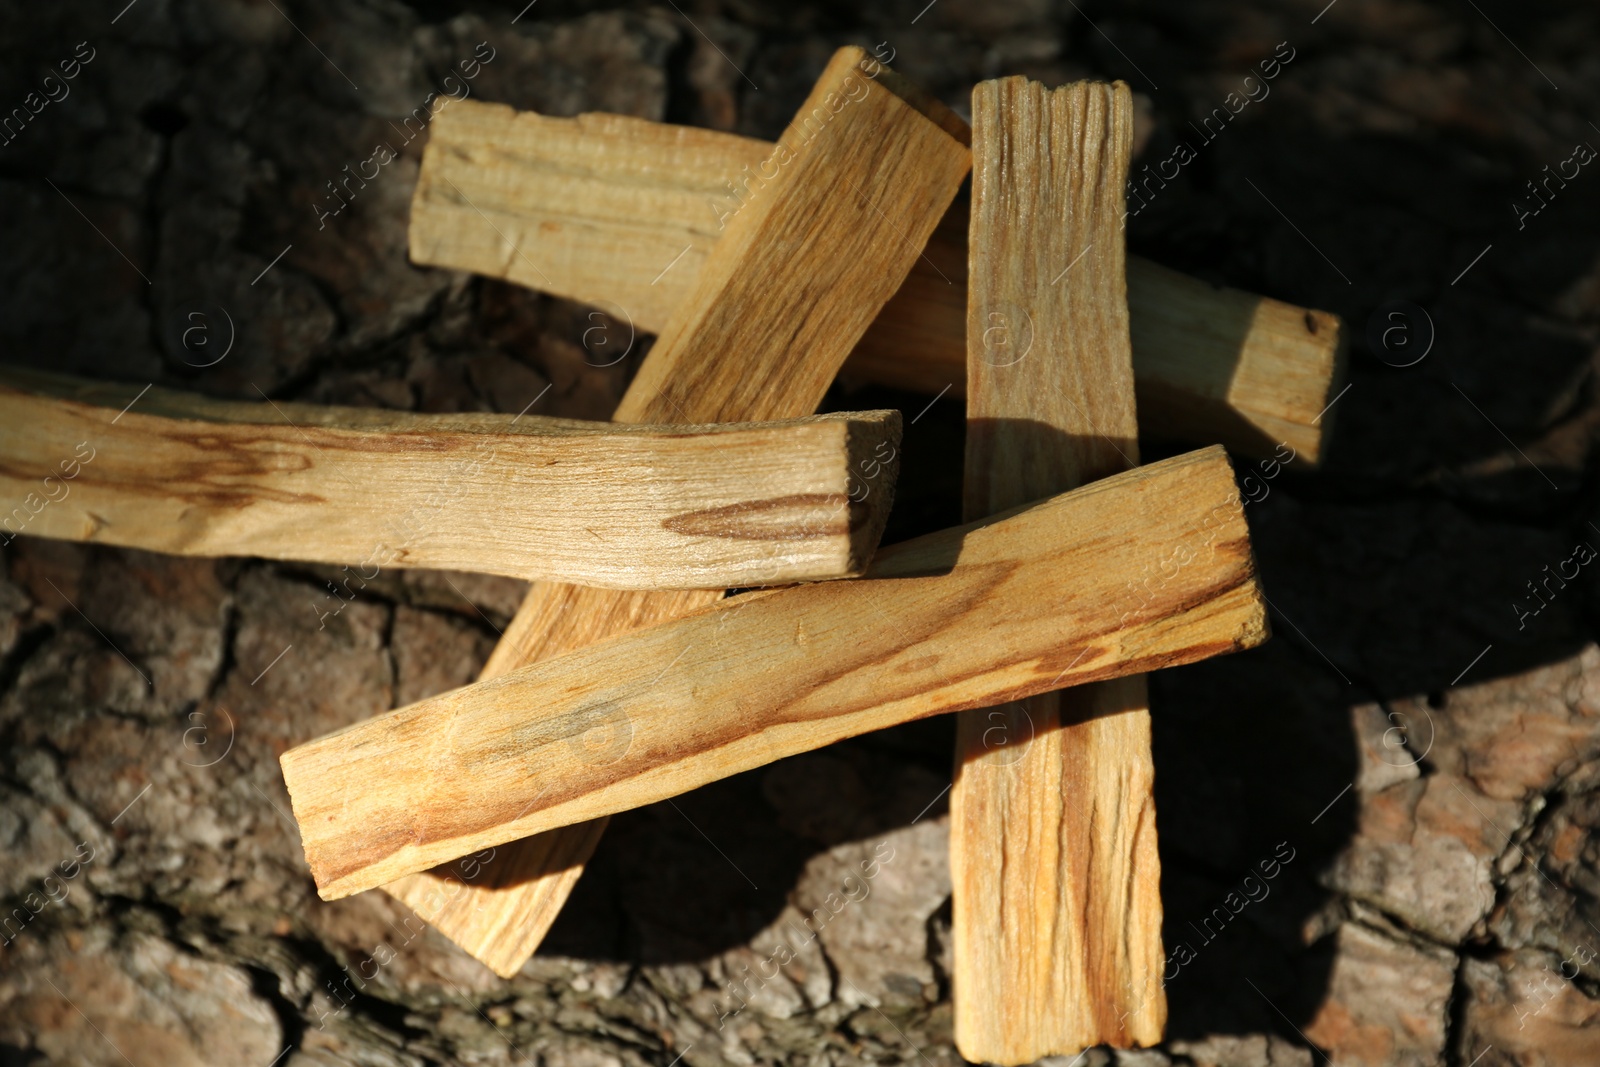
(634, 507)
(1068, 590)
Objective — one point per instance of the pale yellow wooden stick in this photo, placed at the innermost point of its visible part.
(524, 496)
(1069, 590)
(622, 213)
(1054, 872)
(822, 235)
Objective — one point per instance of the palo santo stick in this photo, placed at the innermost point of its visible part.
(627, 506)
(1065, 591)
(1210, 363)
(596, 206)
(1056, 924)
(498, 907)
(868, 161)
(826, 230)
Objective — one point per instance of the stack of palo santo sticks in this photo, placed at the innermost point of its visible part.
(627, 677)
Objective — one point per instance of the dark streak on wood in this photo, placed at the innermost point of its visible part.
(787, 518)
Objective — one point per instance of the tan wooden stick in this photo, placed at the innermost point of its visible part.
(822, 234)
(524, 496)
(1147, 569)
(621, 213)
(1055, 876)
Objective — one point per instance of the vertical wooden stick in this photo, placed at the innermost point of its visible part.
(826, 230)
(1057, 909)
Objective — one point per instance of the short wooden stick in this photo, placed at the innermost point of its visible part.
(1147, 569)
(603, 504)
(622, 213)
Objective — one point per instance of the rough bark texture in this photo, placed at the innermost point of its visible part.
(1445, 902)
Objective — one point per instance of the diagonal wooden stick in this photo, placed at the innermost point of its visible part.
(1044, 595)
(823, 235)
(1054, 871)
(621, 213)
(529, 497)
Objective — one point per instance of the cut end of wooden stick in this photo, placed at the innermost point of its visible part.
(822, 233)
(874, 451)
(912, 93)
(1253, 373)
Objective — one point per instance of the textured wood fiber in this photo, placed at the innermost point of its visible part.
(818, 239)
(528, 497)
(1056, 879)
(622, 213)
(1068, 590)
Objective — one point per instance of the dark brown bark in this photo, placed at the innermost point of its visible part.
(1376, 832)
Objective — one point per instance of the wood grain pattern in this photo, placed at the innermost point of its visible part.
(1211, 363)
(563, 205)
(808, 259)
(1056, 880)
(622, 213)
(603, 504)
(1065, 591)
(820, 236)
(499, 908)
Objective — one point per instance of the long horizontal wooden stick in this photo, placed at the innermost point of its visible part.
(621, 213)
(599, 503)
(820, 238)
(1056, 881)
(1144, 570)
